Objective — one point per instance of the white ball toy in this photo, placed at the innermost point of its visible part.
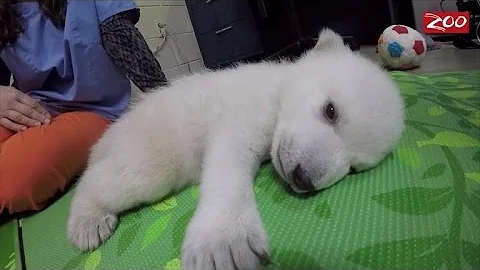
(401, 47)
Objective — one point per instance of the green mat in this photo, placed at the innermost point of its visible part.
(8, 245)
(420, 208)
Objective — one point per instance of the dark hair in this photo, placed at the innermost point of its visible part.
(11, 26)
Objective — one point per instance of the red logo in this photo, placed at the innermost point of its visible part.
(446, 22)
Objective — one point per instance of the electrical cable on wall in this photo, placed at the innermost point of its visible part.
(177, 51)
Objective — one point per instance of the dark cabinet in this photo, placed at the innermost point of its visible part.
(228, 31)
(225, 29)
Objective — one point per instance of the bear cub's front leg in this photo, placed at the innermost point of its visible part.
(226, 231)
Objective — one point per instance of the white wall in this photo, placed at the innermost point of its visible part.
(180, 54)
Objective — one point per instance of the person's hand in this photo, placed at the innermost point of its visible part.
(19, 111)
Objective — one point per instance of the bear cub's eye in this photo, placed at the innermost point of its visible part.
(330, 112)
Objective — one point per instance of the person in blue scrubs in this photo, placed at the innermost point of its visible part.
(71, 62)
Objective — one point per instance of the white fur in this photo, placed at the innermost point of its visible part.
(218, 127)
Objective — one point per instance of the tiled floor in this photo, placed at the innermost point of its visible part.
(447, 58)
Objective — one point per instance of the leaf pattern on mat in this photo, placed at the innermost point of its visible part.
(451, 139)
(93, 260)
(425, 94)
(461, 198)
(155, 230)
(75, 261)
(475, 176)
(451, 79)
(465, 124)
(323, 210)
(258, 190)
(477, 193)
(11, 263)
(127, 237)
(475, 121)
(436, 110)
(263, 179)
(462, 94)
(180, 227)
(435, 170)
(456, 110)
(173, 264)
(445, 99)
(413, 253)
(409, 157)
(165, 204)
(473, 204)
(410, 101)
(294, 260)
(476, 156)
(409, 89)
(475, 101)
(415, 200)
(278, 196)
(464, 106)
(447, 86)
(471, 253)
(195, 191)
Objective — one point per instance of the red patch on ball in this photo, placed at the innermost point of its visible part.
(400, 29)
(418, 47)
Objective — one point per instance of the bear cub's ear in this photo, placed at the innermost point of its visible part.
(328, 39)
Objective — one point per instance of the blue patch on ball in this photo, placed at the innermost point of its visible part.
(395, 49)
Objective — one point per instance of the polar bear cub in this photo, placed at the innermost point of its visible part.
(316, 118)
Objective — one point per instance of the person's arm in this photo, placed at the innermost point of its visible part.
(4, 74)
(129, 51)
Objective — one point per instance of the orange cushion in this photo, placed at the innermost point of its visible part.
(37, 163)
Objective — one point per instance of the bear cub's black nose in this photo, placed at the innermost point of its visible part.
(301, 180)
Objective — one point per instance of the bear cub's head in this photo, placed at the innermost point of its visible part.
(339, 112)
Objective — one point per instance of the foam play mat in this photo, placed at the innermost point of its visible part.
(419, 209)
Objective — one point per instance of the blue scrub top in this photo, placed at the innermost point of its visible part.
(68, 69)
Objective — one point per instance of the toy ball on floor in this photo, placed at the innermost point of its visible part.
(401, 47)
